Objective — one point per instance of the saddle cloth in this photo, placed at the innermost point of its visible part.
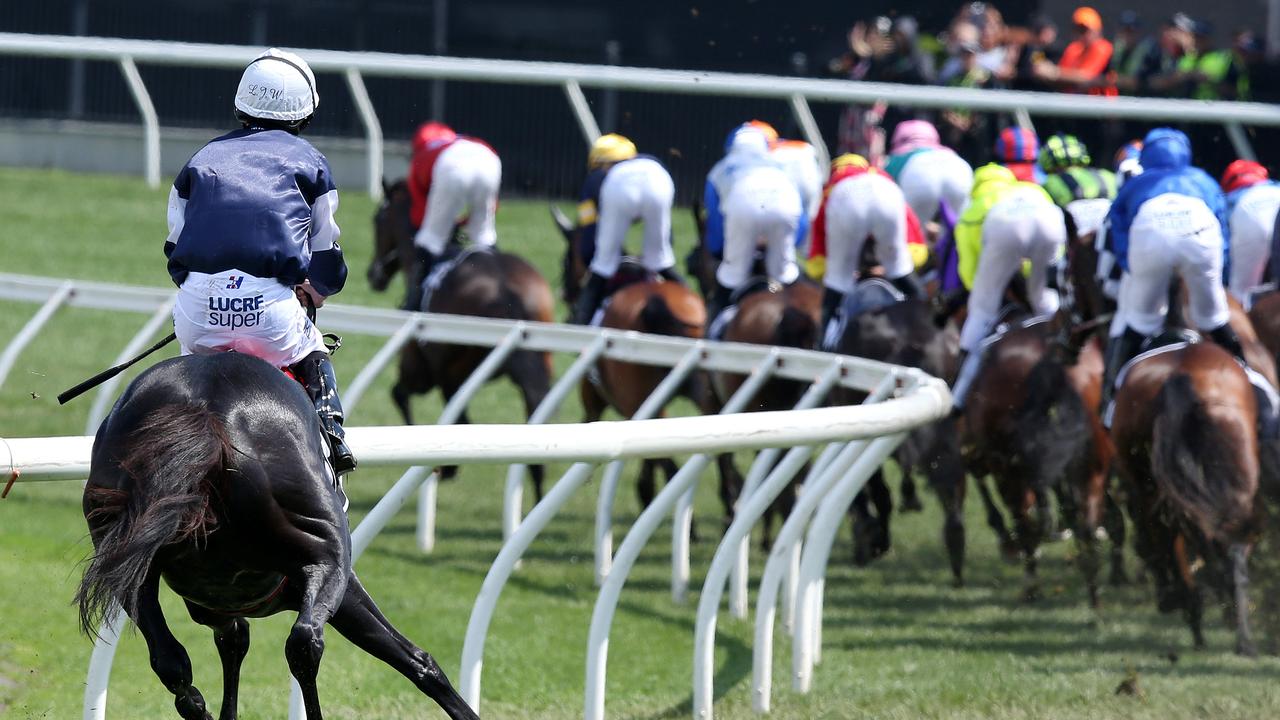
(720, 323)
(867, 296)
(442, 269)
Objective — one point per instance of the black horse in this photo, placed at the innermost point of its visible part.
(210, 472)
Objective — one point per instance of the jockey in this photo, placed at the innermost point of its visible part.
(1084, 192)
(1252, 203)
(449, 173)
(1007, 221)
(622, 188)
(800, 160)
(1128, 161)
(1016, 149)
(1170, 220)
(862, 202)
(750, 201)
(252, 236)
(928, 172)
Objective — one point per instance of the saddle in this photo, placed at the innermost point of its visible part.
(869, 295)
(454, 255)
(630, 272)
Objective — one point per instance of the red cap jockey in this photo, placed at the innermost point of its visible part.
(1242, 174)
(430, 132)
(1016, 149)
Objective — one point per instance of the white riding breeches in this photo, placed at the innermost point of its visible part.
(865, 206)
(1252, 223)
(638, 190)
(1173, 235)
(1023, 226)
(932, 176)
(232, 311)
(465, 177)
(762, 210)
(801, 163)
(1088, 215)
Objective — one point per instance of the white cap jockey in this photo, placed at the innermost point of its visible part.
(279, 86)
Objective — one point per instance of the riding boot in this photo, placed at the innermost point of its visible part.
(1227, 338)
(589, 299)
(909, 286)
(316, 373)
(831, 300)
(424, 262)
(1120, 350)
(670, 275)
(969, 363)
(719, 300)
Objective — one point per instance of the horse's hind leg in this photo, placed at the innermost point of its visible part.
(360, 621)
(910, 497)
(995, 520)
(169, 660)
(530, 372)
(323, 589)
(231, 637)
(1238, 554)
(1113, 521)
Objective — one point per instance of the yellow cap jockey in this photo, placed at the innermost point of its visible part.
(610, 148)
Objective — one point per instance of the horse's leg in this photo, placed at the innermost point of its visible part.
(865, 526)
(1088, 517)
(882, 499)
(910, 497)
(169, 660)
(1022, 501)
(231, 637)
(995, 520)
(1113, 521)
(669, 468)
(323, 587)
(529, 371)
(414, 378)
(1185, 584)
(1238, 555)
(359, 620)
(448, 389)
(951, 491)
(646, 483)
(730, 486)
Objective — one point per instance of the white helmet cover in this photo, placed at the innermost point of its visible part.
(277, 85)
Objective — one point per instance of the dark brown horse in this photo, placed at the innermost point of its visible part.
(647, 305)
(209, 473)
(484, 284)
(1185, 430)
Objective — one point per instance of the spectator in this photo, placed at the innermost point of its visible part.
(1037, 48)
(1084, 63)
(1216, 74)
(1131, 52)
(966, 131)
(903, 62)
(1163, 74)
(861, 129)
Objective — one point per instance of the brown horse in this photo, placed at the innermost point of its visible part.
(1265, 317)
(648, 305)
(483, 284)
(1185, 429)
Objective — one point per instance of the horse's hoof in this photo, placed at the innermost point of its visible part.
(911, 504)
(1010, 553)
(1119, 577)
(957, 583)
(1031, 594)
(448, 472)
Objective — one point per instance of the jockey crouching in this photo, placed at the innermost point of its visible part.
(928, 172)
(251, 220)
(1252, 203)
(622, 188)
(1018, 149)
(751, 202)
(1168, 222)
(1083, 192)
(449, 173)
(1006, 222)
(862, 202)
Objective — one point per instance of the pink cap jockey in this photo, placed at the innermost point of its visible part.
(913, 135)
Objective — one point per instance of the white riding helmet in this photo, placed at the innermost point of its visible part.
(277, 85)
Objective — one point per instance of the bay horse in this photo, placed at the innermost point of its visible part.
(483, 284)
(1185, 429)
(210, 473)
(639, 303)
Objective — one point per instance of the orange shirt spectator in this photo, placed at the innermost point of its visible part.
(1084, 63)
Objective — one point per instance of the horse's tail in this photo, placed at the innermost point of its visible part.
(1052, 424)
(172, 457)
(796, 328)
(657, 318)
(1196, 461)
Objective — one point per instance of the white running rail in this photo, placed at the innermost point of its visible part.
(798, 92)
(899, 400)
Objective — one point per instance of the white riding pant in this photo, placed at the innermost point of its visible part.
(1252, 224)
(638, 190)
(1088, 215)
(1023, 226)
(1173, 234)
(801, 163)
(762, 210)
(867, 205)
(232, 311)
(466, 177)
(932, 176)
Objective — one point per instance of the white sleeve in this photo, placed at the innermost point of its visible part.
(177, 215)
(324, 229)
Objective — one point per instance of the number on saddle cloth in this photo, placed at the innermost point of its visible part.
(868, 295)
